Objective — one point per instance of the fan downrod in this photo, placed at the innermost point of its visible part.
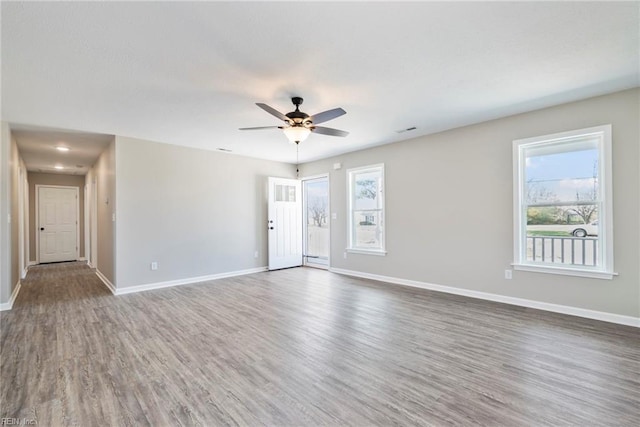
(297, 117)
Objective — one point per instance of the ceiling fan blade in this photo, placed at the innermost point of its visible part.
(329, 131)
(325, 116)
(273, 111)
(262, 127)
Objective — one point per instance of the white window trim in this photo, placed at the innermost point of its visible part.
(351, 248)
(605, 172)
(377, 252)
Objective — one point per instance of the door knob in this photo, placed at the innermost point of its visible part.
(41, 228)
(270, 228)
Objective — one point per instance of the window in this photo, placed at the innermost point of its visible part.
(366, 210)
(562, 203)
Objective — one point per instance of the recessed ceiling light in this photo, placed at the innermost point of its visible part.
(59, 167)
(62, 148)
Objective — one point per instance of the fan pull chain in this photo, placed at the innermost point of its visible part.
(297, 161)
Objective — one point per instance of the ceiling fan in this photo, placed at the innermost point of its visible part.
(298, 125)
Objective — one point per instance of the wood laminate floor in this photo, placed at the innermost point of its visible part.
(304, 347)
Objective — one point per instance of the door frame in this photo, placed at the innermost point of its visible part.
(93, 226)
(23, 221)
(87, 242)
(304, 219)
(37, 223)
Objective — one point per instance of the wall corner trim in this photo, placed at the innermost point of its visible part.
(9, 305)
(556, 308)
(186, 281)
(106, 281)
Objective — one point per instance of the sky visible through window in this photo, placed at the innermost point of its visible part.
(316, 189)
(561, 175)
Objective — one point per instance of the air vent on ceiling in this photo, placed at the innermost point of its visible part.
(406, 130)
(226, 150)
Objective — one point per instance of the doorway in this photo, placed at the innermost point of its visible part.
(57, 223)
(316, 220)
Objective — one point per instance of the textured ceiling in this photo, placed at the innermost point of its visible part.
(190, 73)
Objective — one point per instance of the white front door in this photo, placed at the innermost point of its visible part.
(284, 223)
(57, 223)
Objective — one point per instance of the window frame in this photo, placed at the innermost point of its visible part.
(605, 216)
(351, 173)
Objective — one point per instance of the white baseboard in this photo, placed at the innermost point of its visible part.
(106, 281)
(82, 258)
(556, 308)
(187, 281)
(32, 263)
(12, 299)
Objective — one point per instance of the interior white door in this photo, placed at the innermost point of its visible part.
(284, 223)
(58, 223)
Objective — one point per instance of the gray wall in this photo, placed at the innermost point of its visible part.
(449, 212)
(53, 179)
(10, 169)
(104, 172)
(195, 212)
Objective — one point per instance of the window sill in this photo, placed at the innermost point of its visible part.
(376, 252)
(594, 274)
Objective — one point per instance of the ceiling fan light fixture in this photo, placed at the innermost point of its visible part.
(296, 134)
(298, 124)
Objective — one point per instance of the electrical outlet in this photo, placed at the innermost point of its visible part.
(154, 265)
(256, 254)
(508, 274)
(344, 255)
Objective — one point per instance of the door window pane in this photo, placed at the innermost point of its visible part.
(285, 193)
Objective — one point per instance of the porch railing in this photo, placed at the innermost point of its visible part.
(563, 250)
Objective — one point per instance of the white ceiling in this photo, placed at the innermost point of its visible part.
(189, 73)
